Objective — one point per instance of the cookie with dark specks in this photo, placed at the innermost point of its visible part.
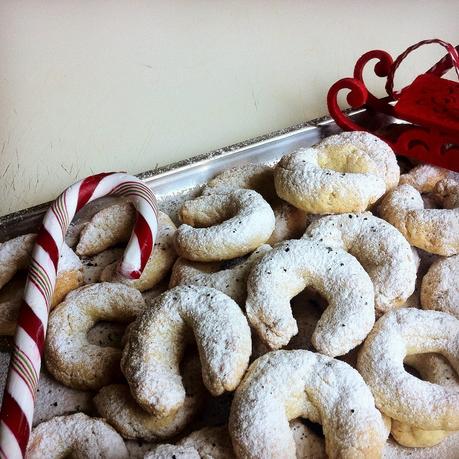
(336, 275)
(399, 394)
(223, 225)
(76, 435)
(283, 385)
(157, 342)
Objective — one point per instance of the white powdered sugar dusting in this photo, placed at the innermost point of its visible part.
(223, 226)
(151, 360)
(380, 248)
(284, 385)
(291, 267)
(397, 393)
(231, 281)
(76, 435)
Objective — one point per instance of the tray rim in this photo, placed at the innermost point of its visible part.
(168, 169)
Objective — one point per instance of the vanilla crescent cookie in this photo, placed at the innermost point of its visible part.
(440, 288)
(69, 274)
(15, 255)
(379, 247)
(116, 405)
(344, 173)
(284, 385)
(336, 275)
(424, 177)
(210, 442)
(223, 226)
(215, 443)
(158, 339)
(398, 394)
(290, 222)
(433, 230)
(76, 436)
(378, 150)
(231, 281)
(159, 263)
(94, 265)
(435, 369)
(69, 356)
(258, 177)
(108, 227)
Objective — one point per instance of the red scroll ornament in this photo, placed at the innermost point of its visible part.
(429, 106)
(19, 397)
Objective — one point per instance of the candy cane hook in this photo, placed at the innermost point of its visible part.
(19, 397)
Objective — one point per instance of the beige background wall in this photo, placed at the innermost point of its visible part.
(87, 86)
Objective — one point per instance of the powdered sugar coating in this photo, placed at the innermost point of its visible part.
(447, 193)
(378, 150)
(69, 274)
(440, 289)
(116, 405)
(425, 260)
(433, 230)
(435, 369)
(317, 183)
(343, 173)
(228, 225)
(158, 265)
(108, 227)
(69, 356)
(397, 393)
(231, 281)
(151, 358)
(291, 267)
(424, 177)
(284, 385)
(379, 247)
(258, 177)
(76, 435)
(68, 260)
(93, 266)
(15, 255)
(210, 442)
(215, 442)
(290, 221)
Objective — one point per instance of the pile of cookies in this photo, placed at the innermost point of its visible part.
(307, 309)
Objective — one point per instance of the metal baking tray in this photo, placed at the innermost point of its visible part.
(172, 184)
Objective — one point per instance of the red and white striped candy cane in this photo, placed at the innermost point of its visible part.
(18, 400)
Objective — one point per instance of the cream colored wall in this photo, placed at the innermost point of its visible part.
(88, 86)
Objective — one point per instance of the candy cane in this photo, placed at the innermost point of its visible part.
(19, 397)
